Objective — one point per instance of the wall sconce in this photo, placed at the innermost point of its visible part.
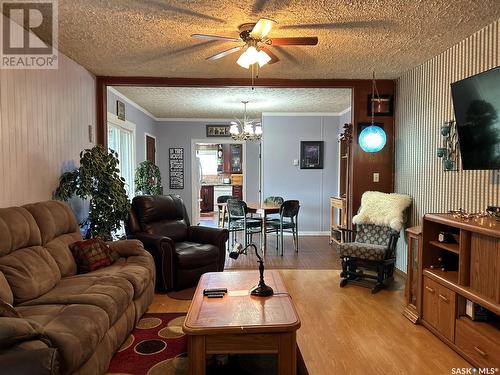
(448, 150)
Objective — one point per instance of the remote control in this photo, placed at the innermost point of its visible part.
(215, 295)
(214, 290)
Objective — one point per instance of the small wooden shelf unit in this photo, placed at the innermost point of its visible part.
(472, 272)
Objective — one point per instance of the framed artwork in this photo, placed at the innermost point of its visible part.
(311, 154)
(176, 167)
(218, 130)
(120, 110)
(382, 105)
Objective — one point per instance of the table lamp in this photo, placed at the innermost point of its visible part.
(261, 290)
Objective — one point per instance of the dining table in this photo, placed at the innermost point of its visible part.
(262, 209)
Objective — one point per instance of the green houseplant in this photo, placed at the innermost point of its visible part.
(148, 179)
(97, 179)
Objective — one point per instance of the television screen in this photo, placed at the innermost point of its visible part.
(476, 101)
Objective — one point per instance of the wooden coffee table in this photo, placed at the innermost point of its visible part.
(241, 323)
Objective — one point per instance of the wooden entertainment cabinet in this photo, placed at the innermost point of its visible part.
(471, 272)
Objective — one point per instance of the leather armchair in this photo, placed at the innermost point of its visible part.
(182, 253)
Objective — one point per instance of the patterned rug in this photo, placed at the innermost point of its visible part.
(156, 346)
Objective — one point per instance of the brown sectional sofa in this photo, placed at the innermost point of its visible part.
(70, 323)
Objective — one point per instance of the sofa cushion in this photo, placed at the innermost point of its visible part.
(112, 294)
(75, 330)
(5, 291)
(7, 310)
(363, 250)
(18, 230)
(53, 218)
(90, 255)
(194, 255)
(136, 269)
(58, 229)
(30, 272)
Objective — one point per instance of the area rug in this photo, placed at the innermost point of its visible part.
(156, 346)
(183, 295)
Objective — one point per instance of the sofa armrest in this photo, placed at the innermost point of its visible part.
(17, 330)
(43, 361)
(212, 236)
(127, 248)
(162, 249)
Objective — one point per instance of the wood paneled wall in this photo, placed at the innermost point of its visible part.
(424, 103)
(44, 118)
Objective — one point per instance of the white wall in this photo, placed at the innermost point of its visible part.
(180, 134)
(44, 118)
(144, 124)
(312, 187)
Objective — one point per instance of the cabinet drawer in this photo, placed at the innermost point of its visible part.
(483, 350)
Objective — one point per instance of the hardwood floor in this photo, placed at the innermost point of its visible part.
(350, 331)
(314, 253)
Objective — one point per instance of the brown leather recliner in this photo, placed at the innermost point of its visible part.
(182, 252)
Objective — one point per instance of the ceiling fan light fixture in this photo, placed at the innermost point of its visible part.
(263, 58)
(243, 61)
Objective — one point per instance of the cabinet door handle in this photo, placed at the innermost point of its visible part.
(429, 289)
(443, 298)
(480, 351)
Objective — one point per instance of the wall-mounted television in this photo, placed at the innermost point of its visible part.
(476, 101)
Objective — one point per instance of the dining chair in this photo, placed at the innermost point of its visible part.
(287, 222)
(222, 213)
(274, 200)
(238, 221)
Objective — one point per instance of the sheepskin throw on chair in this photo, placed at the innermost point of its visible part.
(382, 209)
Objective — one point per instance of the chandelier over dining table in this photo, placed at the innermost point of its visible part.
(246, 129)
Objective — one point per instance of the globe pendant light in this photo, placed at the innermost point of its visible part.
(373, 137)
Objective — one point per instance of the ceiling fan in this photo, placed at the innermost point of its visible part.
(256, 43)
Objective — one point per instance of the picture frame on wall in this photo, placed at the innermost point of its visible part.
(218, 130)
(176, 167)
(382, 105)
(120, 110)
(311, 154)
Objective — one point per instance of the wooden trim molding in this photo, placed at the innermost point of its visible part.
(363, 164)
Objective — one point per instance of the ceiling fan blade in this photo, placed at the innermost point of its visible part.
(215, 37)
(340, 25)
(274, 58)
(262, 28)
(299, 41)
(224, 53)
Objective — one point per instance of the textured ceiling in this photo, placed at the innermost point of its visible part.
(184, 102)
(152, 38)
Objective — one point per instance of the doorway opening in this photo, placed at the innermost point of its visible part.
(220, 170)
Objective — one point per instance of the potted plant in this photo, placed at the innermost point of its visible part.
(98, 180)
(148, 179)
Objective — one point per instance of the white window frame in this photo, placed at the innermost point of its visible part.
(114, 121)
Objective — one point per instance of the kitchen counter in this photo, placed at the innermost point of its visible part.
(209, 184)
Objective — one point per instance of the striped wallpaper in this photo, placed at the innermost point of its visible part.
(423, 104)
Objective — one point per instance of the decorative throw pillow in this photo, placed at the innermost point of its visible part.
(112, 254)
(7, 310)
(90, 255)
